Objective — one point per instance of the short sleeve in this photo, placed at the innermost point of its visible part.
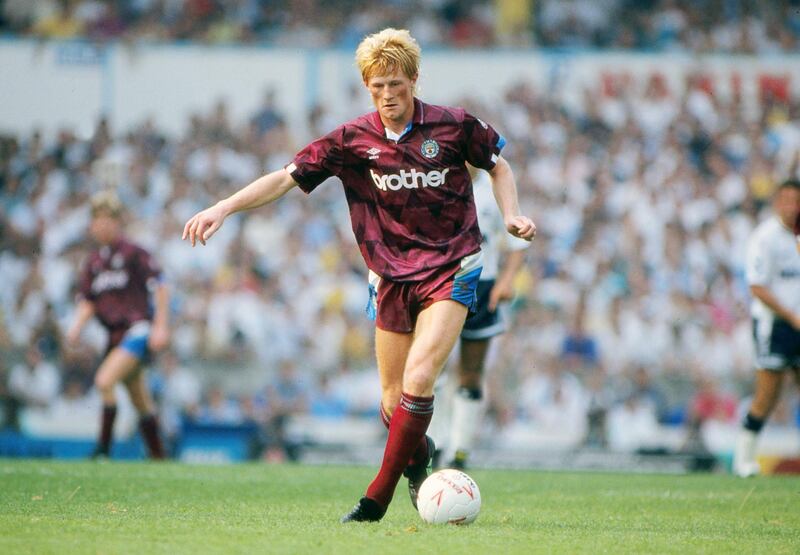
(318, 161)
(483, 143)
(757, 262)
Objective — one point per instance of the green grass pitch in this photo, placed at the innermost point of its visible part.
(84, 507)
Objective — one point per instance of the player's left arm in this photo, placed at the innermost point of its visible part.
(505, 193)
(149, 270)
(503, 289)
(159, 332)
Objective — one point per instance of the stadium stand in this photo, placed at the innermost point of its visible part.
(632, 327)
(727, 26)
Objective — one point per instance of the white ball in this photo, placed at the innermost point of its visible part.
(449, 496)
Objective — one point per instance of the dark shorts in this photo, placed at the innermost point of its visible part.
(483, 323)
(395, 305)
(133, 339)
(777, 344)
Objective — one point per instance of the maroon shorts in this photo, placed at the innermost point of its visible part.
(395, 305)
(132, 338)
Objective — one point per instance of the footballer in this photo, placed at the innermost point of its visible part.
(404, 175)
(121, 286)
(773, 274)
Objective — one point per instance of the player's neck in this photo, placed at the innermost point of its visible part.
(111, 242)
(398, 126)
(788, 225)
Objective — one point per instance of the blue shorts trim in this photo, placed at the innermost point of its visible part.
(465, 287)
(372, 303)
(135, 340)
(483, 324)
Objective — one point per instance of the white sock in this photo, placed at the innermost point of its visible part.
(467, 414)
(744, 457)
(440, 421)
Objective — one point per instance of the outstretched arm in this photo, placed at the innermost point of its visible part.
(263, 190)
(83, 313)
(505, 193)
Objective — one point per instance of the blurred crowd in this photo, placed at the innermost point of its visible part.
(742, 26)
(632, 311)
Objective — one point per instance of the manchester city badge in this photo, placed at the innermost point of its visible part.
(429, 148)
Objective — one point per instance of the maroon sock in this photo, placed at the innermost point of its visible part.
(109, 414)
(420, 453)
(148, 425)
(407, 430)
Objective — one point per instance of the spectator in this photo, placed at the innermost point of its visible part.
(179, 396)
(325, 403)
(552, 403)
(632, 426)
(219, 409)
(643, 209)
(579, 349)
(660, 25)
(33, 383)
(286, 397)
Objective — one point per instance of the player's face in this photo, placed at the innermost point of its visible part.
(787, 205)
(104, 228)
(393, 96)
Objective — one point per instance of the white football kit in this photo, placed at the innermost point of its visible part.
(774, 263)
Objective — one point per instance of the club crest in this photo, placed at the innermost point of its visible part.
(429, 148)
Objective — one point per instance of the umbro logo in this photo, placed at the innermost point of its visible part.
(373, 153)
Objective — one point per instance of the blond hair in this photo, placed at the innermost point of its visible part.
(387, 51)
(107, 203)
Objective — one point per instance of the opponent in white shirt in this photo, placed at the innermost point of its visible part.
(494, 287)
(773, 274)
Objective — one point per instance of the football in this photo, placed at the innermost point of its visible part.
(449, 496)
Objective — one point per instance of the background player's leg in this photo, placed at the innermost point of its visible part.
(768, 389)
(467, 401)
(437, 330)
(118, 364)
(148, 423)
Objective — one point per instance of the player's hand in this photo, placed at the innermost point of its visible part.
(159, 338)
(795, 321)
(522, 227)
(203, 225)
(500, 292)
(73, 336)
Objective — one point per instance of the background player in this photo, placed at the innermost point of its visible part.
(116, 285)
(413, 217)
(494, 287)
(773, 273)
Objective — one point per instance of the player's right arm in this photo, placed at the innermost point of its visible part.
(263, 190)
(759, 270)
(83, 313)
(765, 296)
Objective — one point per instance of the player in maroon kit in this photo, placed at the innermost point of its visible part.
(116, 286)
(413, 215)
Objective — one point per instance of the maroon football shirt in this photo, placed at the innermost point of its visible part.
(115, 279)
(411, 204)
